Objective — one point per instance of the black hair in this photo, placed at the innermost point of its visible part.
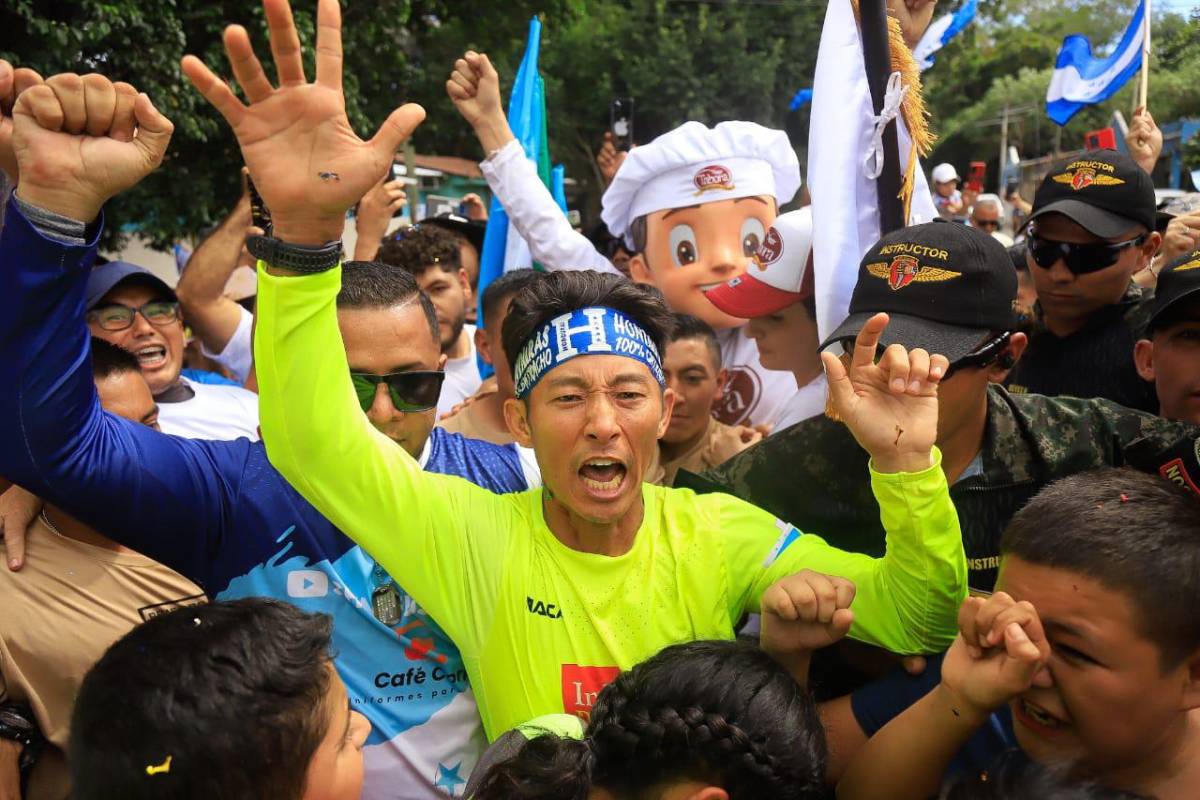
(717, 711)
(688, 327)
(108, 360)
(563, 292)
(1135, 533)
(507, 285)
(1017, 777)
(218, 700)
(420, 248)
(374, 284)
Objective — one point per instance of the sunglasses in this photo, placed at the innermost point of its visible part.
(982, 356)
(1081, 259)
(410, 391)
(117, 317)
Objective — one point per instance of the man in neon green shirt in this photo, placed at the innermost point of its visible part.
(549, 594)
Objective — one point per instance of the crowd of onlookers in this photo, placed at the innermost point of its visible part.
(967, 564)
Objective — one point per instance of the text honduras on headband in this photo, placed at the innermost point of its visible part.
(596, 330)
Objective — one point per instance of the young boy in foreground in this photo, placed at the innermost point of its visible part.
(1088, 653)
(234, 699)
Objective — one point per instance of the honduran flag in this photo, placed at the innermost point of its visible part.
(1080, 79)
(942, 31)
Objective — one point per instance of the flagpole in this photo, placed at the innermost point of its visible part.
(877, 59)
(1145, 85)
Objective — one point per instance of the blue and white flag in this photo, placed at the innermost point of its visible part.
(1080, 79)
(942, 31)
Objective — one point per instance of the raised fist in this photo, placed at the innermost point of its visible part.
(474, 87)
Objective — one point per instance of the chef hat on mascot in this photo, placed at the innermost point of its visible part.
(694, 164)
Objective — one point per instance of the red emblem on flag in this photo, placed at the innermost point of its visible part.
(581, 686)
(713, 177)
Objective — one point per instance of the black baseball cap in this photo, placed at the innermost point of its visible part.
(472, 229)
(1178, 282)
(1105, 191)
(106, 277)
(944, 285)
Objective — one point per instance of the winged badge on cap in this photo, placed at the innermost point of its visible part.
(1193, 264)
(905, 269)
(1085, 177)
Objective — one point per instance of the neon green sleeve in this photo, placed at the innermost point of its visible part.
(907, 601)
(413, 522)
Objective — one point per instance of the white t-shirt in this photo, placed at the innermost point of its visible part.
(462, 377)
(215, 412)
(808, 401)
(238, 353)
(754, 395)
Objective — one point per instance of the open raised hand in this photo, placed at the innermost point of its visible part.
(77, 141)
(305, 159)
(890, 406)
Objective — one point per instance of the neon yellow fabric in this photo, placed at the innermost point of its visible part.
(542, 627)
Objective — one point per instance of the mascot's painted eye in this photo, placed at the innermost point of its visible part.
(752, 235)
(683, 245)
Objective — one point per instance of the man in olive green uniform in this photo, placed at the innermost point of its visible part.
(951, 294)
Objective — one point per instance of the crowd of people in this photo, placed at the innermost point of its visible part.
(274, 532)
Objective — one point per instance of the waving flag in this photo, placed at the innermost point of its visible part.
(503, 248)
(942, 31)
(1080, 79)
(802, 98)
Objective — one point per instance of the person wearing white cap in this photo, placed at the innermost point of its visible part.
(776, 295)
(694, 204)
(946, 196)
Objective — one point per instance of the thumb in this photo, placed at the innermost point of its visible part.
(840, 388)
(1024, 659)
(839, 626)
(153, 131)
(396, 129)
(485, 68)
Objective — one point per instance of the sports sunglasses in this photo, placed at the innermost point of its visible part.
(410, 391)
(1081, 259)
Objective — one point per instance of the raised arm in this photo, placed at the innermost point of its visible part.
(310, 167)
(474, 87)
(213, 317)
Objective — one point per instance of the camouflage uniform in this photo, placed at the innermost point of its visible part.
(814, 474)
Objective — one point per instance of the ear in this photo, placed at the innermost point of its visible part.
(722, 379)
(639, 270)
(1149, 248)
(998, 372)
(1191, 690)
(442, 359)
(516, 417)
(482, 344)
(1143, 359)
(464, 280)
(668, 408)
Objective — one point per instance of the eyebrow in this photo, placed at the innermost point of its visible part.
(409, 367)
(1064, 627)
(751, 197)
(667, 215)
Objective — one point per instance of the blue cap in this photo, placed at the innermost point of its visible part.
(106, 277)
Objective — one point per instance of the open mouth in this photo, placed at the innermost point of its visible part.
(151, 356)
(1037, 718)
(603, 476)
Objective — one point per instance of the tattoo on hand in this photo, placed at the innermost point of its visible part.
(899, 433)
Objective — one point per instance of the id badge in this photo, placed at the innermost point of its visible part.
(385, 604)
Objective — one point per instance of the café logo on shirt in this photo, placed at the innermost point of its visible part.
(714, 177)
(905, 269)
(770, 250)
(1082, 174)
(581, 686)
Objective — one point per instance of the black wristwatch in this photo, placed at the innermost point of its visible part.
(296, 257)
(17, 725)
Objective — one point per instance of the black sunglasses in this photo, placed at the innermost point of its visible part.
(983, 355)
(1081, 259)
(410, 391)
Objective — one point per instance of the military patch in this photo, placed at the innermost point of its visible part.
(714, 177)
(905, 269)
(1084, 177)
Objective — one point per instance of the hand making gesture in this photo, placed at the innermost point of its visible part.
(891, 406)
(304, 157)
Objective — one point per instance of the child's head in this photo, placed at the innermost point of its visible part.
(692, 367)
(1111, 561)
(945, 180)
(233, 699)
(699, 721)
(1014, 777)
(1169, 353)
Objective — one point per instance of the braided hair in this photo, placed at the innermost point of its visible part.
(722, 712)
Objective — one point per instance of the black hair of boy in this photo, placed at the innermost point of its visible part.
(373, 284)
(688, 327)
(557, 293)
(225, 700)
(1017, 777)
(506, 286)
(420, 248)
(109, 360)
(1133, 532)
